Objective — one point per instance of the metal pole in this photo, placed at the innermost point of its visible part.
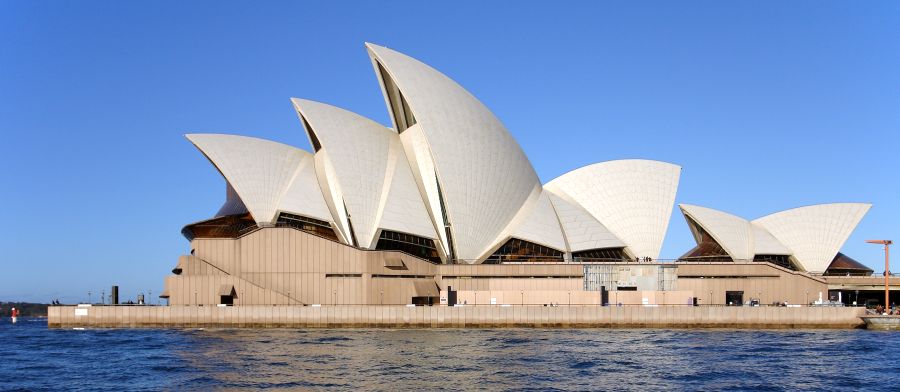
(887, 269)
(887, 274)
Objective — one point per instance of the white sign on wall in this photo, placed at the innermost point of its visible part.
(81, 311)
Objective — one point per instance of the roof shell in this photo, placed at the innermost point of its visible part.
(633, 198)
(581, 230)
(484, 176)
(815, 233)
(304, 196)
(233, 204)
(733, 233)
(403, 209)
(764, 243)
(260, 172)
(540, 225)
(366, 158)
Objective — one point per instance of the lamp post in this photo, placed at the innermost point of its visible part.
(807, 298)
(710, 298)
(89, 297)
(887, 268)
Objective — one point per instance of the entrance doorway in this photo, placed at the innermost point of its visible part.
(423, 301)
(227, 293)
(734, 298)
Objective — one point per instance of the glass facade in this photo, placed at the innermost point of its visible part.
(310, 225)
(517, 250)
(612, 255)
(231, 226)
(707, 248)
(779, 260)
(420, 247)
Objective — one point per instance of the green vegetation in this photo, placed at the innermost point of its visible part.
(26, 309)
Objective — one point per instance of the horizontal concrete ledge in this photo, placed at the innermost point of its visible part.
(376, 316)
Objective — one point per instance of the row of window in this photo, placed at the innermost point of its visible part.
(601, 255)
(516, 250)
(310, 225)
(231, 226)
(411, 244)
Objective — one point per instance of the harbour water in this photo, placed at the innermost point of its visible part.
(33, 357)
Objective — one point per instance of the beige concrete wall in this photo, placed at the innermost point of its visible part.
(287, 266)
(455, 317)
(572, 297)
(292, 264)
(528, 284)
(288, 263)
(769, 283)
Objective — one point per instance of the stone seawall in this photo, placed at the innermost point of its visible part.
(374, 316)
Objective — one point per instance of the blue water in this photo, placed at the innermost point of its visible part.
(33, 357)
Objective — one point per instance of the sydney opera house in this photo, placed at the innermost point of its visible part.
(443, 207)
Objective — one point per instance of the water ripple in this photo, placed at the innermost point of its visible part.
(35, 358)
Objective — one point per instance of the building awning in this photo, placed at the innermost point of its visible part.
(164, 294)
(843, 264)
(426, 288)
(179, 267)
(393, 260)
(226, 289)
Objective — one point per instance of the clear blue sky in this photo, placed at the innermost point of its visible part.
(766, 106)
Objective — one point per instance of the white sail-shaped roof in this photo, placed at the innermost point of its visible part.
(259, 171)
(731, 232)
(304, 196)
(403, 209)
(331, 191)
(633, 198)
(581, 230)
(233, 204)
(764, 243)
(419, 155)
(376, 184)
(540, 225)
(815, 234)
(484, 176)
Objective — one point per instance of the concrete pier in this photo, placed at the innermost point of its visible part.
(375, 316)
